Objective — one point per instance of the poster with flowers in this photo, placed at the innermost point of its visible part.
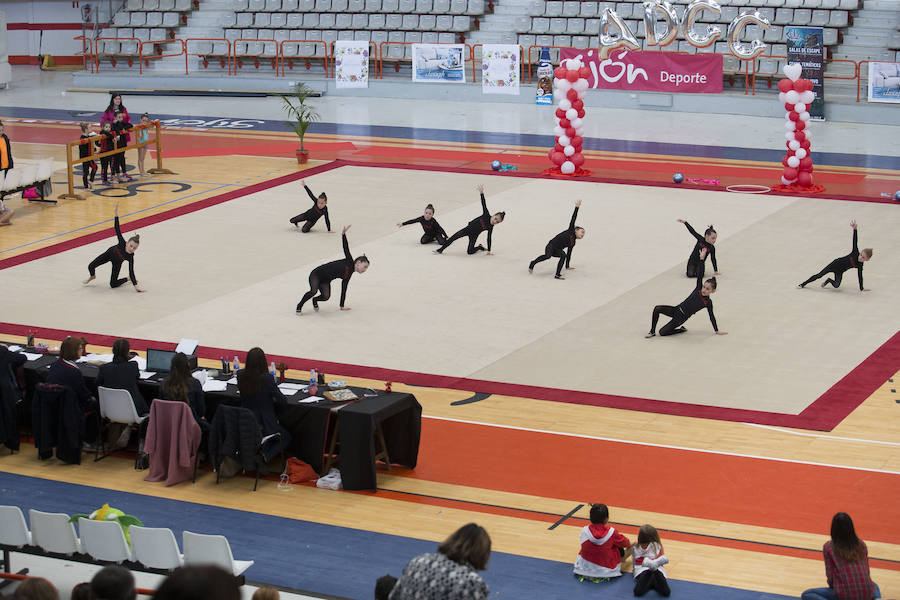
(351, 64)
(500, 69)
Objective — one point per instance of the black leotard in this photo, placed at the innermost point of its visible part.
(321, 277)
(560, 246)
(115, 255)
(473, 230)
(431, 228)
(313, 214)
(839, 265)
(695, 266)
(684, 311)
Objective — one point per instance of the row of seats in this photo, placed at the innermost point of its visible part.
(584, 42)
(780, 16)
(154, 548)
(161, 5)
(453, 7)
(125, 18)
(359, 21)
(127, 47)
(569, 8)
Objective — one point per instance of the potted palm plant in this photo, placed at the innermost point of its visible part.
(300, 115)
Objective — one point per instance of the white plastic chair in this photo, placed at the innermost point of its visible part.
(103, 540)
(12, 179)
(212, 550)
(155, 547)
(13, 530)
(117, 406)
(27, 174)
(53, 532)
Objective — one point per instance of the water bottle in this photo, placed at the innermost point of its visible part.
(313, 380)
(272, 370)
(237, 365)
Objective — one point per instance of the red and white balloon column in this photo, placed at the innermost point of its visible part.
(796, 94)
(570, 85)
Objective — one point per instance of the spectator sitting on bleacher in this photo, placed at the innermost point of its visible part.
(6, 163)
(451, 572)
(198, 583)
(266, 592)
(603, 549)
(36, 588)
(113, 583)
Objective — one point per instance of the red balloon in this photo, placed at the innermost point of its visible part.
(577, 141)
(799, 136)
(806, 164)
(560, 113)
(788, 145)
(808, 85)
(578, 104)
(804, 178)
(801, 125)
(550, 155)
(570, 132)
(557, 148)
(790, 173)
(793, 116)
(577, 159)
(788, 106)
(805, 144)
(565, 123)
(785, 85)
(572, 95)
(558, 158)
(572, 76)
(799, 85)
(584, 72)
(580, 113)
(784, 161)
(559, 72)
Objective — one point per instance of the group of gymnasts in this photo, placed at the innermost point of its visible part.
(560, 247)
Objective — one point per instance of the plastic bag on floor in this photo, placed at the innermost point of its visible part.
(332, 481)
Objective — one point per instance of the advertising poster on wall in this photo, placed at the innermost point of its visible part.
(884, 82)
(439, 63)
(500, 69)
(544, 93)
(351, 64)
(651, 71)
(804, 46)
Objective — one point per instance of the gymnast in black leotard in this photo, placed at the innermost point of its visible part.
(854, 260)
(561, 246)
(319, 209)
(433, 232)
(485, 222)
(696, 266)
(122, 252)
(321, 277)
(697, 301)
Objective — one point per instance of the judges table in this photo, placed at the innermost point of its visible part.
(399, 416)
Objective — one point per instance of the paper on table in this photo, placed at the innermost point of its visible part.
(14, 348)
(146, 374)
(187, 346)
(287, 390)
(214, 385)
(141, 362)
(96, 358)
(311, 399)
(232, 381)
(293, 386)
(31, 356)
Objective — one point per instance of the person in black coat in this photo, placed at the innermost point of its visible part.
(123, 374)
(181, 386)
(260, 394)
(10, 394)
(66, 373)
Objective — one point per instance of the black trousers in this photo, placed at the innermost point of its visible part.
(651, 580)
(670, 311)
(88, 167)
(427, 238)
(696, 268)
(549, 252)
(316, 285)
(473, 237)
(310, 216)
(109, 257)
(104, 167)
(832, 268)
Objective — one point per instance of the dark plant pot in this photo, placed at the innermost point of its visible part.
(302, 157)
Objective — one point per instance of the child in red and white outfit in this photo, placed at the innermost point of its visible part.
(603, 549)
(648, 561)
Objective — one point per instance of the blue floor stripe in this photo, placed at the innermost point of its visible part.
(487, 137)
(326, 559)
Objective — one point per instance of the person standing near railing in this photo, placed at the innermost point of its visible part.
(116, 107)
(6, 163)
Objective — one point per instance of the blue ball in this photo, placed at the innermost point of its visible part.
(496, 164)
(897, 195)
(677, 177)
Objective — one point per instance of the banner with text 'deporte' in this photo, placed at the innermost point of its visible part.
(651, 71)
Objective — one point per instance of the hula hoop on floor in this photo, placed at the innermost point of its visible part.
(748, 188)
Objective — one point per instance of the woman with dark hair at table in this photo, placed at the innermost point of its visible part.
(123, 374)
(260, 394)
(180, 386)
(65, 372)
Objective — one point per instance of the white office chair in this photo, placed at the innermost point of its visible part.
(13, 530)
(155, 547)
(212, 550)
(104, 540)
(53, 532)
(117, 406)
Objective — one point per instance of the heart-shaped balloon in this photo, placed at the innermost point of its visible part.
(793, 71)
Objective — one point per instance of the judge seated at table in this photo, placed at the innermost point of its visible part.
(260, 393)
(123, 374)
(180, 386)
(66, 373)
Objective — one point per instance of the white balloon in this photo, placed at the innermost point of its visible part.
(790, 125)
(581, 94)
(787, 181)
(563, 84)
(794, 145)
(782, 97)
(804, 116)
(567, 167)
(799, 107)
(573, 64)
(565, 104)
(800, 153)
(793, 161)
(564, 140)
(576, 122)
(569, 150)
(787, 116)
(789, 136)
(807, 97)
(571, 114)
(579, 131)
(581, 85)
(558, 95)
(792, 97)
(558, 131)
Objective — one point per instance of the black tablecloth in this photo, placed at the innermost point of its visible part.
(400, 417)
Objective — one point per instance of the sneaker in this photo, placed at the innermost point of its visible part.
(105, 181)
(127, 177)
(800, 285)
(650, 335)
(558, 277)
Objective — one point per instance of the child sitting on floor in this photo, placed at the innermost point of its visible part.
(603, 549)
(649, 558)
